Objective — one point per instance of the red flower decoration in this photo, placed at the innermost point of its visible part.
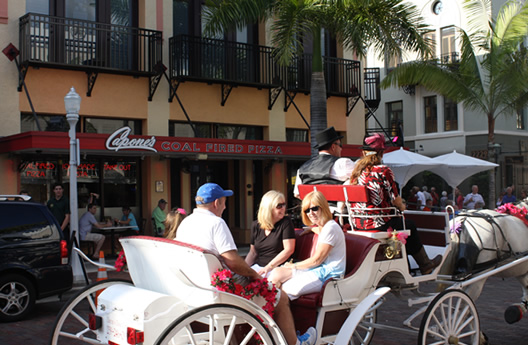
(223, 280)
(120, 262)
(519, 212)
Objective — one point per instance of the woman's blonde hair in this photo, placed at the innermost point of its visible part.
(269, 201)
(369, 159)
(173, 221)
(317, 199)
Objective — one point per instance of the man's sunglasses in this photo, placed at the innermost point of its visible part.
(315, 209)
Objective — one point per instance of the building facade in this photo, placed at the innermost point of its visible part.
(433, 125)
(164, 109)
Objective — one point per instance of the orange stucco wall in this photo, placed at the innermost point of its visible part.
(47, 88)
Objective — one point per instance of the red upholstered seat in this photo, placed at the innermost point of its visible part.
(304, 308)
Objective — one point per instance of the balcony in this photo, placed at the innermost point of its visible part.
(56, 42)
(224, 62)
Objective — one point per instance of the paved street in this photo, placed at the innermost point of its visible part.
(496, 296)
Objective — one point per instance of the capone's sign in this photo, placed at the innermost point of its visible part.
(119, 140)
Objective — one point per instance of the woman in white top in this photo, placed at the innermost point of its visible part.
(327, 261)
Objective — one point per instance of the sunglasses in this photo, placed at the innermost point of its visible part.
(314, 209)
(281, 205)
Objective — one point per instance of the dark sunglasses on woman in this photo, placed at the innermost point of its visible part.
(315, 209)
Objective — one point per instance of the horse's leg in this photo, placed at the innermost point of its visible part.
(515, 312)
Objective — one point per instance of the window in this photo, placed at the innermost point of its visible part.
(392, 62)
(297, 135)
(239, 132)
(23, 222)
(180, 17)
(448, 51)
(99, 125)
(184, 129)
(520, 118)
(450, 115)
(48, 123)
(395, 121)
(430, 114)
(37, 6)
(431, 38)
(218, 131)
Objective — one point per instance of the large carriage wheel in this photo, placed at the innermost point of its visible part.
(71, 325)
(201, 326)
(364, 331)
(451, 318)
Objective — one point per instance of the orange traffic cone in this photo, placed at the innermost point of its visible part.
(101, 274)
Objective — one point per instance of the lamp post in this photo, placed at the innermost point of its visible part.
(72, 103)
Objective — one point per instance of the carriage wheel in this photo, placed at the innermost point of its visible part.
(451, 318)
(216, 324)
(71, 325)
(364, 331)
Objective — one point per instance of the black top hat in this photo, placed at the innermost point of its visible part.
(326, 136)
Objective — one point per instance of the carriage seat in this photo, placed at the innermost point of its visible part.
(349, 194)
(157, 264)
(357, 248)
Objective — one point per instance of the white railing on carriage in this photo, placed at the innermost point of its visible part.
(347, 194)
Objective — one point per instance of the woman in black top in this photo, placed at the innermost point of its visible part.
(272, 235)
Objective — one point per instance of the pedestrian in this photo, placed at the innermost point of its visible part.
(158, 215)
(473, 198)
(59, 206)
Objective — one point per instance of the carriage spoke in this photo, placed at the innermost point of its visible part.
(230, 331)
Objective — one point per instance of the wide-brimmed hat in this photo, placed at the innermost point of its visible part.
(209, 192)
(375, 142)
(326, 136)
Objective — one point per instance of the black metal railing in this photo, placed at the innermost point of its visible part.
(372, 94)
(342, 77)
(87, 45)
(219, 61)
(448, 58)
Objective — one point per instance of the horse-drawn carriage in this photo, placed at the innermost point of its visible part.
(171, 301)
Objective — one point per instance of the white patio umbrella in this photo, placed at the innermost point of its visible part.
(456, 167)
(405, 164)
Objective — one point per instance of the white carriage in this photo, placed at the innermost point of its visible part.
(171, 300)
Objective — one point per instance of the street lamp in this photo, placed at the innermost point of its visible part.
(72, 103)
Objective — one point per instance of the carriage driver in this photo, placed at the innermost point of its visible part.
(206, 228)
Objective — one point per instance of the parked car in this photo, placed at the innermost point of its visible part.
(33, 257)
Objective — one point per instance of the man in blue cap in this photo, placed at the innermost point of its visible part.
(206, 228)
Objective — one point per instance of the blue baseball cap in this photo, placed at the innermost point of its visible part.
(209, 192)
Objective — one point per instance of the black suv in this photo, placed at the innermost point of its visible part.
(33, 257)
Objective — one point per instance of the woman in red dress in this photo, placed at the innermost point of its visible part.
(379, 180)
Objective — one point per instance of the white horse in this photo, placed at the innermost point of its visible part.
(485, 239)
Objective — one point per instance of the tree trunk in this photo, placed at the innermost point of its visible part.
(492, 155)
(317, 107)
(317, 92)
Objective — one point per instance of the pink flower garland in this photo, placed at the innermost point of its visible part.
(223, 280)
(519, 212)
(120, 262)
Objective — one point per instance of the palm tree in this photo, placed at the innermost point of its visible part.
(492, 75)
(387, 25)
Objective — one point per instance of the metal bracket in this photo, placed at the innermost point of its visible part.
(173, 86)
(273, 94)
(154, 82)
(22, 71)
(351, 103)
(288, 99)
(92, 77)
(226, 91)
(409, 89)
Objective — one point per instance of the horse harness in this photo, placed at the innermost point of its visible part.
(500, 254)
